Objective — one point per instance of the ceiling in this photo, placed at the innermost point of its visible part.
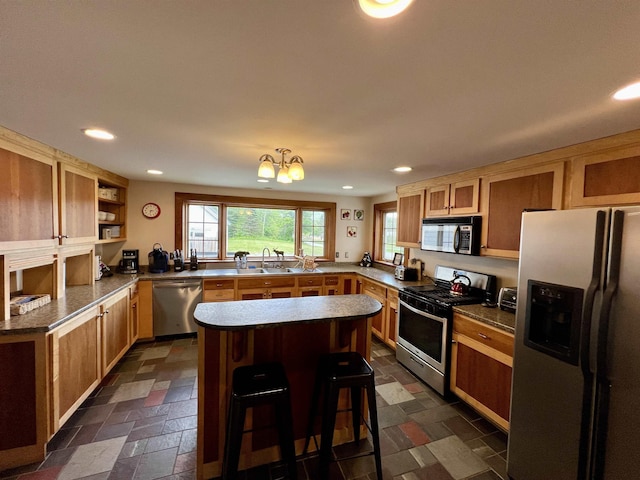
(201, 89)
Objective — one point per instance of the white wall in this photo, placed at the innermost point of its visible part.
(142, 233)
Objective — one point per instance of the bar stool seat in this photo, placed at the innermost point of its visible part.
(336, 371)
(252, 386)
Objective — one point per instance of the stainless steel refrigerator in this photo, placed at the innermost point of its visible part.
(575, 411)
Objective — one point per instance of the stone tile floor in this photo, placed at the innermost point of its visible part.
(141, 424)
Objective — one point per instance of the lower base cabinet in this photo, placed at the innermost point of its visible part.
(114, 316)
(481, 364)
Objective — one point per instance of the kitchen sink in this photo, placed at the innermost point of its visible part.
(255, 271)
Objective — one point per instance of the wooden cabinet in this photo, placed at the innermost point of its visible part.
(310, 286)
(606, 178)
(457, 198)
(265, 287)
(75, 364)
(78, 205)
(506, 195)
(114, 316)
(481, 364)
(28, 200)
(333, 285)
(145, 309)
(410, 213)
(134, 317)
(218, 290)
(378, 292)
(391, 331)
(23, 400)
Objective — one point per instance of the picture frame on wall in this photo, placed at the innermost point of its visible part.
(345, 214)
(352, 232)
(358, 215)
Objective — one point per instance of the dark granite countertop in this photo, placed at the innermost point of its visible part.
(278, 312)
(76, 300)
(491, 316)
(80, 298)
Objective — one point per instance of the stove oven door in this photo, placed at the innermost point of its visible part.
(422, 345)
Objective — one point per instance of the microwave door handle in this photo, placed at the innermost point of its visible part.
(456, 239)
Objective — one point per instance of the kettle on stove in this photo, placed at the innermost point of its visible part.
(366, 260)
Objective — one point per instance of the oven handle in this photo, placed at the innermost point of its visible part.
(423, 313)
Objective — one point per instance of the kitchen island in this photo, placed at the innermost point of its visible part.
(292, 331)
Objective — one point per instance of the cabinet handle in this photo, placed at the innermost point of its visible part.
(134, 305)
(106, 311)
(483, 336)
(218, 284)
(267, 283)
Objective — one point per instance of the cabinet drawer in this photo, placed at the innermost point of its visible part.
(332, 280)
(374, 288)
(488, 336)
(220, 295)
(305, 281)
(262, 282)
(213, 284)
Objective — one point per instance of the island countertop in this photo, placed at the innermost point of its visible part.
(278, 312)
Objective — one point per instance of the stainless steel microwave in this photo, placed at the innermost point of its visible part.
(452, 234)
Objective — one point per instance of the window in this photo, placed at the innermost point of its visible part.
(386, 232)
(218, 226)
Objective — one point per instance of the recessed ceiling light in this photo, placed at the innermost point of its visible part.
(155, 172)
(347, 187)
(629, 92)
(402, 169)
(263, 180)
(383, 8)
(98, 133)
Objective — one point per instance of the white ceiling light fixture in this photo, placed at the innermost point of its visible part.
(347, 187)
(289, 170)
(629, 92)
(154, 172)
(98, 134)
(383, 8)
(402, 169)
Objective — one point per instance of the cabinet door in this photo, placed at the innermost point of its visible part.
(392, 318)
(75, 364)
(218, 290)
(480, 373)
(506, 196)
(438, 200)
(377, 292)
(410, 213)
(28, 202)
(78, 205)
(115, 329)
(134, 318)
(145, 309)
(464, 197)
(611, 178)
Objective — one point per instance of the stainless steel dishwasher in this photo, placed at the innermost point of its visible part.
(173, 304)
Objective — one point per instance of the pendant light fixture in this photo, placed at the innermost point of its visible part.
(288, 170)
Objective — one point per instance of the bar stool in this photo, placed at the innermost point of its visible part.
(336, 371)
(256, 385)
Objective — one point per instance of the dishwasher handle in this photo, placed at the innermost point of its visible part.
(177, 284)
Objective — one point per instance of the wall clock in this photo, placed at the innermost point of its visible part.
(151, 210)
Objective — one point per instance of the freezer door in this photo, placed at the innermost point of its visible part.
(547, 437)
(620, 457)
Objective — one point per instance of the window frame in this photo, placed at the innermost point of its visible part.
(183, 199)
(379, 209)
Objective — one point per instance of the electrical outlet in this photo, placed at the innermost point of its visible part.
(346, 254)
(337, 254)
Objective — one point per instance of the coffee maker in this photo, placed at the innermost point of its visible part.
(129, 262)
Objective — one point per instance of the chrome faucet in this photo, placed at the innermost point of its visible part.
(265, 248)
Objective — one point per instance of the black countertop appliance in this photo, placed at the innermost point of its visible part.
(158, 259)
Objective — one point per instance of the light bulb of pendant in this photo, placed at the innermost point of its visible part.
(266, 170)
(283, 175)
(296, 172)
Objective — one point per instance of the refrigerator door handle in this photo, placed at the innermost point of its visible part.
(594, 286)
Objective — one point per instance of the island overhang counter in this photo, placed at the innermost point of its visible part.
(292, 331)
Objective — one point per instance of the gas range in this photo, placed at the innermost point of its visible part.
(442, 295)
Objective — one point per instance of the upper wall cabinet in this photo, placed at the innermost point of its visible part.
(78, 205)
(457, 198)
(606, 178)
(505, 196)
(28, 191)
(410, 213)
